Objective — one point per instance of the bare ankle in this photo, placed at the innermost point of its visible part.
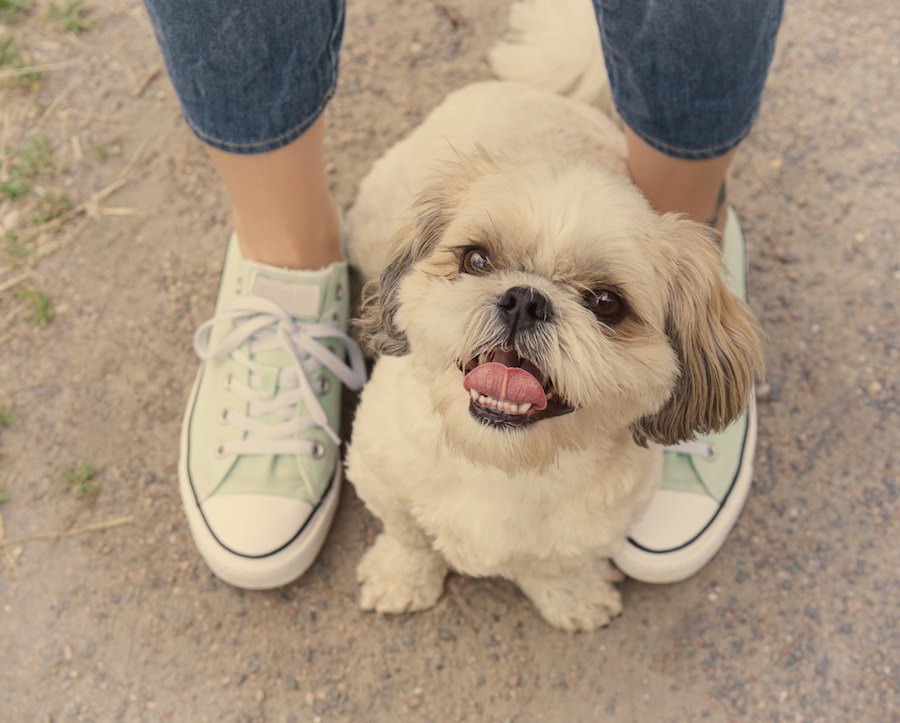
(314, 245)
(670, 184)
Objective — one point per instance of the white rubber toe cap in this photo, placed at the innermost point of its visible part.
(672, 514)
(255, 525)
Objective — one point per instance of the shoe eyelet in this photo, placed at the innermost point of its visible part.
(228, 378)
(224, 414)
(220, 452)
(318, 450)
(339, 292)
(324, 386)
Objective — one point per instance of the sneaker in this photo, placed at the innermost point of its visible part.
(705, 481)
(260, 469)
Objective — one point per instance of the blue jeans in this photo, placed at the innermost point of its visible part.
(251, 75)
(686, 75)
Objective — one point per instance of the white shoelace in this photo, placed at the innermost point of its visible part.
(268, 327)
(694, 448)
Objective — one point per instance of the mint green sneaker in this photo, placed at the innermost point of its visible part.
(705, 481)
(260, 470)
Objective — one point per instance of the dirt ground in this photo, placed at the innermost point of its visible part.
(795, 620)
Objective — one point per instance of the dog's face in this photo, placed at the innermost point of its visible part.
(543, 303)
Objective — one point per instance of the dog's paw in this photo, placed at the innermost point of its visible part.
(574, 603)
(396, 578)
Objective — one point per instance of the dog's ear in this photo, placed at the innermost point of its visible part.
(434, 208)
(375, 327)
(714, 334)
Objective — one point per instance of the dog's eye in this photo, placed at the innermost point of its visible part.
(475, 261)
(606, 305)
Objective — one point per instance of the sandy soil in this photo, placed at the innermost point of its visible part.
(796, 618)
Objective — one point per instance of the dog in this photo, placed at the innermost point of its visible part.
(539, 331)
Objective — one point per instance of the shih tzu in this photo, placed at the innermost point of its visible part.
(540, 331)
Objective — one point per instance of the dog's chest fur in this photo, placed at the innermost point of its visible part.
(482, 520)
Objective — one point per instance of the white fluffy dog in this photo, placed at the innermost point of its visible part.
(541, 331)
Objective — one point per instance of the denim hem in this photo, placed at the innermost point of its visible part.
(689, 154)
(269, 144)
(687, 75)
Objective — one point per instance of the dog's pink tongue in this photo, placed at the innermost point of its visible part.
(508, 384)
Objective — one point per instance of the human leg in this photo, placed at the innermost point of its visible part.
(284, 214)
(259, 468)
(692, 187)
(253, 80)
(687, 78)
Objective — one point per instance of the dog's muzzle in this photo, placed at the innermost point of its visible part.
(505, 388)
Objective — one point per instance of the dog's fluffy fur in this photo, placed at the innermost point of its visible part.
(534, 184)
(553, 45)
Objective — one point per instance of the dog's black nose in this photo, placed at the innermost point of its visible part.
(522, 307)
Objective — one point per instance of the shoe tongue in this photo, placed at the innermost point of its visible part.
(298, 292)
(507, 384)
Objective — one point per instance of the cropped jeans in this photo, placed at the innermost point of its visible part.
(686, 75)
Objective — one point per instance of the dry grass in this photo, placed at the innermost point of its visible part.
(59, 534)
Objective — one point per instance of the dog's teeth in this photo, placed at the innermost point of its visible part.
(500, 405)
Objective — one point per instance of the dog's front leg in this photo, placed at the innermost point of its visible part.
(401, 572)
(576, 598)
